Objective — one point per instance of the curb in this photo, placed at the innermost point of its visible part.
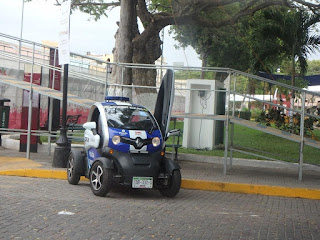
(190, 184)
(251, 189)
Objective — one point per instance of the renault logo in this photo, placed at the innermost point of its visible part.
(139, 143)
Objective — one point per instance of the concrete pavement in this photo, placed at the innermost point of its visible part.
(34, 208)
(198, 172)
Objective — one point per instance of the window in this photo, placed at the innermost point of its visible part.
(131, 118)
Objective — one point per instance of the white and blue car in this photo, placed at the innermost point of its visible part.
(124, 144)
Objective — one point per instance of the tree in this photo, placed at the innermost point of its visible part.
(204, 39)
(241, 46)
(293, 31)
(265, 54)
(216, 47)
(157, 14)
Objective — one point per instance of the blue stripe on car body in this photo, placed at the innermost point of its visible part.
(92, 155)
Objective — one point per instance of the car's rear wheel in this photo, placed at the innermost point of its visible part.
(74, 162)
(174, 185)
(100, 179)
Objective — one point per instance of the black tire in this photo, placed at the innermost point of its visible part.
(73, 167)
(100, 179)
(174, 185)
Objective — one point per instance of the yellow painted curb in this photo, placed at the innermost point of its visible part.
(189, 184)
(38, 173)
(251, 189)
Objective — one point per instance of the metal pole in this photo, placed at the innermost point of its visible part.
(96, 68)
(303, 99)
(107, 78)
(64, 98)
(30, 105)
(122, 73)
(232, 124)
(51, 102)
(93, 88)
(226, 134)
(234, 95)
(264, 88)
(173, 140)
(231, 145)
(21, 25)
(21, 30)
(62, 150)
(44, 55)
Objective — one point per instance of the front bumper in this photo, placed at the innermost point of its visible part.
(129, 165)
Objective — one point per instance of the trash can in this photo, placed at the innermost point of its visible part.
(4, 115)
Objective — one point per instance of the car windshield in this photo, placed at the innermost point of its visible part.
(131, 118)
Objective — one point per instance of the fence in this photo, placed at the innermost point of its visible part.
(240, 95)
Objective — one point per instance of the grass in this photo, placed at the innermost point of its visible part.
(273, 146)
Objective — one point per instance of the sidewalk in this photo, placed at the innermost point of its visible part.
(198, 172)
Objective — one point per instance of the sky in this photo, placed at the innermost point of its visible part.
(41, 22)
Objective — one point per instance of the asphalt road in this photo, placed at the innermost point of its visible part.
(31, 209)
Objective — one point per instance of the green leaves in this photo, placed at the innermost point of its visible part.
(96, 9)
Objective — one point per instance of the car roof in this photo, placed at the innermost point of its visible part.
(120, 103)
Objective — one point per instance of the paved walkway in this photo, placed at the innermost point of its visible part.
(198, 172)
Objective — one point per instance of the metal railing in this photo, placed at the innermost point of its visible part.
(236, 84)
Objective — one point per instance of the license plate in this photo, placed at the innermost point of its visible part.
(142, 182)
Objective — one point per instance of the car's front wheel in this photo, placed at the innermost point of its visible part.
(100, 179)
(174, 185)
(73, 165)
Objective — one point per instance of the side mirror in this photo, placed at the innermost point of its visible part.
(90, 125)
(91, 138)
(173, 132)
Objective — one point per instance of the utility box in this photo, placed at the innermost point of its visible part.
(4, 115)
(199, 133)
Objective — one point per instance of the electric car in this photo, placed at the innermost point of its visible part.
(124, 144)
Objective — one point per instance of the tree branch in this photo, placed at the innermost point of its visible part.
(162, 20)
(246, 11)
(76, 3)
(113, 4)
(143, 13)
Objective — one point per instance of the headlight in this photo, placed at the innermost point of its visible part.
(116, 140)
(155, 141)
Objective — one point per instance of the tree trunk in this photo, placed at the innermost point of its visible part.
(146, 54)
(124, 50)
(128, 49)
(204, 59)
